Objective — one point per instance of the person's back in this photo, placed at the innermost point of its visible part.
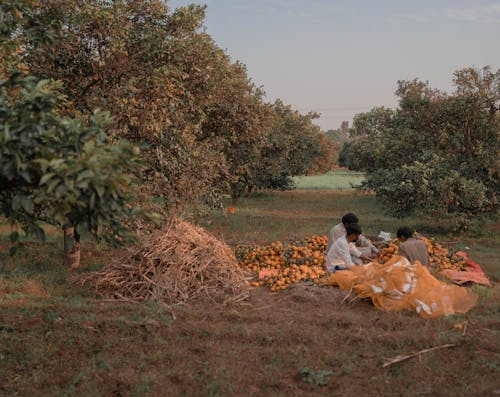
(335, 233)
(411, 248)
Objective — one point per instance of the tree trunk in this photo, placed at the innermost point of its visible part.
(71, 247)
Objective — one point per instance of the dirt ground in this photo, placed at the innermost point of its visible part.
(305, 341)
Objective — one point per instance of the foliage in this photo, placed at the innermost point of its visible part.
(438, 153)
(317, 377)
(294, 146)
(344, 152)
(203, 124)
(327, 157)
(56, 169)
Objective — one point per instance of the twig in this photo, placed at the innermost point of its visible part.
(398, 359)
(354, 298)
(348, 294)
(259, 308)
(465, 328)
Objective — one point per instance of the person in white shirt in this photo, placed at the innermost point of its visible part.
(365, 246)
(340, 255)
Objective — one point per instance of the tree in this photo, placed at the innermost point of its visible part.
(437, 154)
(344, 153)
(152, 69)
(327, 156)
(60, 170)
(292, 147)
(203, 125)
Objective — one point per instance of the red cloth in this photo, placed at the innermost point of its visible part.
(474, 273)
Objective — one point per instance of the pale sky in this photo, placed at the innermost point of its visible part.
(342, 57)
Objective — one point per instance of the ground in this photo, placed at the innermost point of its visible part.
(262, 347)
(58, 338)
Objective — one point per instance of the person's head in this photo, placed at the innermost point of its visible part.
(353, 231)
(404, 233)
(349, 219)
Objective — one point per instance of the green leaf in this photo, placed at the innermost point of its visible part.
(26, 176)
(45, 178)
(27, 204)
(16, 203)
(52, 185)
(44, 164)
(99, 190)
(85, 175)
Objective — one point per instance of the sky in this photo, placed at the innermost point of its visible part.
(343, 57)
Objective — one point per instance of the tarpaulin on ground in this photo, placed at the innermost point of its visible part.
(474, 273)
(400, 285)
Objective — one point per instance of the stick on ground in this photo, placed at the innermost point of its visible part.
(398, 359)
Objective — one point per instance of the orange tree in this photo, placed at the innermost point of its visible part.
(292, 147)
(203, 126)
(153, 70)
(437, 154)
(59, 170)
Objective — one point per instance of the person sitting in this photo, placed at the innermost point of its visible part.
(340, 255)
(339, 230)
(412, 248)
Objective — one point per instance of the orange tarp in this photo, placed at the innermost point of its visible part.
(399, 285)
(474, 273)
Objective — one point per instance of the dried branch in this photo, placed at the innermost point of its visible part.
(398, 359)
(178, 264)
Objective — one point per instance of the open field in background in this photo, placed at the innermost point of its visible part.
(335, 179)
(58, 339)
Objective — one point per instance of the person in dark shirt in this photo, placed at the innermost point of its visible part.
(412, 248)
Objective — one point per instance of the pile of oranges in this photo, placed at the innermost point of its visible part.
(281, 264)
(439, 256)
(278, 265)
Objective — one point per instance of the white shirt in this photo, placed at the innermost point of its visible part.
(339, 255)
(335, 233)
(339, 230)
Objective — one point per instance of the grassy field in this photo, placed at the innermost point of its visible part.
(58, 339)
(336, 179)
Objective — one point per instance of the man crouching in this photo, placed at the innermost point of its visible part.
(342, 254)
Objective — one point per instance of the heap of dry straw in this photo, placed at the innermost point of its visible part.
(178, 264)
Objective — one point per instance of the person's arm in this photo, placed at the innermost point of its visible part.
(366, 242)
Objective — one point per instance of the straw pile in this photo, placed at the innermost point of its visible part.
(178, 264)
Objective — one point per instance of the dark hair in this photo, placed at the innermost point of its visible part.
(353, 228)
(404, 232)
(350, 218)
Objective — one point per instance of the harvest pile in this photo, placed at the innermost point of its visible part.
(439, 256)
(175, 265)
(280, 265)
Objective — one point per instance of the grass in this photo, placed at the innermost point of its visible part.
(288, 216)
(58, 339)
(332, 180)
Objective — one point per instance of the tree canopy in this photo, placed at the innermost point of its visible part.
(204, 126)
(56, 169)
(86, 86)
(438, 153)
